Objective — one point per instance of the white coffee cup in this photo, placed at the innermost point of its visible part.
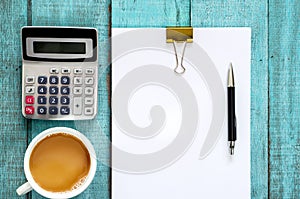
(31, 184)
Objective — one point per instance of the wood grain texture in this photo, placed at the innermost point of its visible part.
(13, 140)
(247, 14)
(150, 13)
(284, 68)
(87, 14)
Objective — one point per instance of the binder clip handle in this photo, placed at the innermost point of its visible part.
(179, 35)
(179, 69)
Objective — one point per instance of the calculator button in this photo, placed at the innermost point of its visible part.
(42, 110)
(29, 110)
(65, 71)
(77, 71)
(89, 80)
(77, 80)
(65, 80)
(65, 90)
(42, 90)
(53, 90)
(53, 80)
(88, 111)
(65, 100)
(77, 109)
(42, 100)
(29, 89)
(53, 110)
(42, 80)
(89, 71)
(29, 80)
(64, 110)
(77, 91)
(88, 101)
(53, 100)
(29, 100)
(88, 91)
(54, 71)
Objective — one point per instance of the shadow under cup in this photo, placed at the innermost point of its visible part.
(60, 162)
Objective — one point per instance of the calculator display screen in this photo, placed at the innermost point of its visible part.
(59, 47)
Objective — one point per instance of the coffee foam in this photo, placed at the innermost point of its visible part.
(79, 183)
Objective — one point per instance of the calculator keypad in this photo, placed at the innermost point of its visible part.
(60, 93)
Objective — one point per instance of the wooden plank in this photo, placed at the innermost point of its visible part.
(284, 67)
(252, 14)
(89, 14)
(12, 124)
(151, 13)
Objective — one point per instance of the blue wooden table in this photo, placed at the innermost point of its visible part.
(275, 79)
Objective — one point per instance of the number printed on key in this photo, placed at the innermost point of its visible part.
(65, 80)
(65, 90)
(42, 90)
(53, 80)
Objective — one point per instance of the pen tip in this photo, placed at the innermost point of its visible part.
(231, 151)
(230, 67)
(230, 76)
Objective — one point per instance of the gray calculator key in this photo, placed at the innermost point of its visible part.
(65, 71)
(54, 71)
(77, 80)
(88, 101)
(89, 91)
(77, 71)
(29, 89)
(89, 80)
(77, 90)
(29, 79)
(77, 109)
(89, 71)
(88, 111)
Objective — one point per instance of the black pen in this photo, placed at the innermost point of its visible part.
(231, 111)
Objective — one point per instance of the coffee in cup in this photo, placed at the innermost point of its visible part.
(59, 163)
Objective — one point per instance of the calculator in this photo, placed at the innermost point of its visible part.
(59, 73)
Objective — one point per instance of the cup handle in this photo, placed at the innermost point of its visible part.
(24, 188)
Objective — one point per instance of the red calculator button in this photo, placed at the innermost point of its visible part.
(29, 100)
(29, 110)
